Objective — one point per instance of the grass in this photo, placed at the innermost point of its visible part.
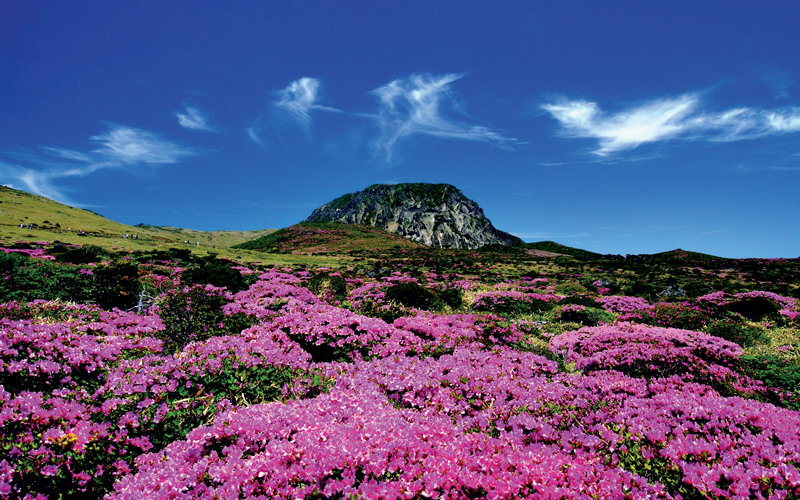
(52, 219)
(552, 246)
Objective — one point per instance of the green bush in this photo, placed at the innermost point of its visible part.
(512, 306)
(192, 314)
(734, 331)
(580, 300)
(676, 315)
(412, 295)
(25, 279)
(453, 297)
(587, 317)
(753, 308)
(217, 272)
(782, 375)
(322, 282)
(83, 255)
(116, 285)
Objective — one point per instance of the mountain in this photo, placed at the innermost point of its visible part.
(436, 215)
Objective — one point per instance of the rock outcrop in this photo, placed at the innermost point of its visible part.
(437, 215)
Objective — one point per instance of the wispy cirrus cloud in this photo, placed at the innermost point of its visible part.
(118, 147)
(413, 106)
(298, 100)
(193, 119)
(130, 146)
(253, 133)
(663, 119)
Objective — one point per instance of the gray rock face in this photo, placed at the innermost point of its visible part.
(437, 215)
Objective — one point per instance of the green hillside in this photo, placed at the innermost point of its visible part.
(327, 238)
(552, 246)
(50, 220)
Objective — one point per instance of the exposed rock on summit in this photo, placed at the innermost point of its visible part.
(437, 215)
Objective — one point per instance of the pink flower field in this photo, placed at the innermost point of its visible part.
(295, 392)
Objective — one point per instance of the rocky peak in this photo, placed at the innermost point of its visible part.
(437, 215)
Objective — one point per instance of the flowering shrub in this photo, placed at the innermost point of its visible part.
(624, 304)
(684, 315)
(643, 351)
(194, 313)
(514, 302)
(441, 334)
(353, 446)
(81, 399)
(782, 377)
(333, 334)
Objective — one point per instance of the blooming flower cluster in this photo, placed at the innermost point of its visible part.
(623, 304)
(645, 351)
(514, 300)
(37, 253)
(789, 306)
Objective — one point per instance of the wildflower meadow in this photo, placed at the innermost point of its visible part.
(401, 373)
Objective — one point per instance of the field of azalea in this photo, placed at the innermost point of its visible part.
(405, 373)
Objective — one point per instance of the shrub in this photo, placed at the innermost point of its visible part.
(684, 315)
(25, 279)
(336, 285)
(753, 308)
(742, 334)
(777, 373)
(217, 272)
(453, 297)
(650, 352)
(583, 315)
(412, 295)
(513, 302)
(116, 285)
(192, 314)
(84, 255)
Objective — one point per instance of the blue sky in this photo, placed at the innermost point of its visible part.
(619, 127)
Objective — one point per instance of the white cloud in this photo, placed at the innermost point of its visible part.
(120, 147)
(297, 100)
(784, 120)
(655, 121)
(252, 133)
(412, 106)
(667, 118)
(193, 119)
(134, 146)
(32, 181)
(66, 154)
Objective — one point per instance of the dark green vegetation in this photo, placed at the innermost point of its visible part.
(551, 246)
(326, 238)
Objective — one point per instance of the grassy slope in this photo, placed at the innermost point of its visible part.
(551, 246)
(19, 207)
(689, 256)
(327, 238)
